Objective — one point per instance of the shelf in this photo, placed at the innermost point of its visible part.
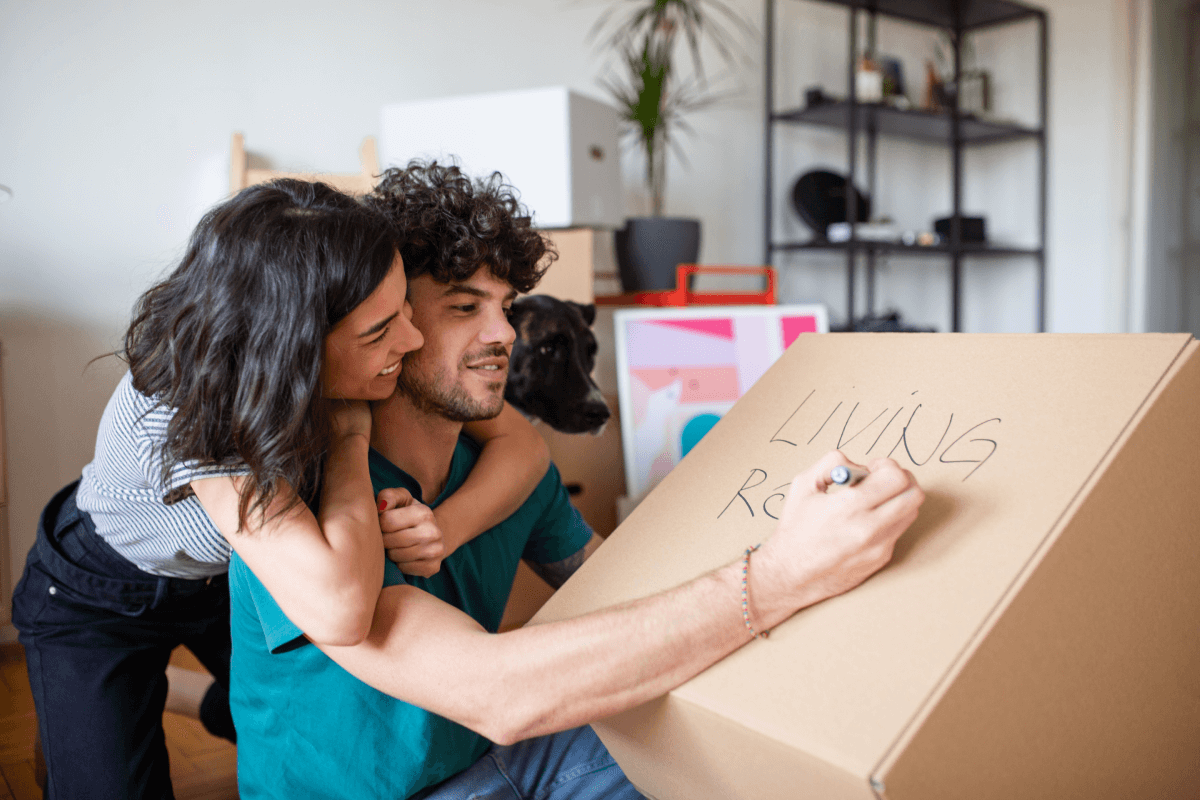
(896, 248)
(862, 124)
(910, 124)
(975, 13)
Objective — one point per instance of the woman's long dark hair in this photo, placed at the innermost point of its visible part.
(234, 338)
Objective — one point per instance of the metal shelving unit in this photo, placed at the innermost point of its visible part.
(871, 120)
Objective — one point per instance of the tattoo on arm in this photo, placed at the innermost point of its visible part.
(556, 574)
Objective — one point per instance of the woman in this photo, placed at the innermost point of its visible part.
(242, 424)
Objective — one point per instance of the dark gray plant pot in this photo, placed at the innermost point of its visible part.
(649, 248)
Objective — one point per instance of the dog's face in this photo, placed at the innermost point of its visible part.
(550, 369)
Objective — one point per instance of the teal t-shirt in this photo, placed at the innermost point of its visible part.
(309, 729)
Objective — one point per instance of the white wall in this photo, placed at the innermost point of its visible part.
(115, 119)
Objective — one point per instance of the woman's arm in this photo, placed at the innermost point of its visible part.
(513, 461)
(325, 573)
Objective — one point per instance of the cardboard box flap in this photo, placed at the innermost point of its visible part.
(1002, 432)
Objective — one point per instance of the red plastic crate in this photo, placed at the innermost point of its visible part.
(681, 295)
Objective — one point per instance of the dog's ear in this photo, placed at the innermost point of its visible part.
(588, 312)
(519, 309)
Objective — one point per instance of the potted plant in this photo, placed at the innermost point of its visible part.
(654, 93)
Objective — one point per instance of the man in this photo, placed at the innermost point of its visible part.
(414, 709)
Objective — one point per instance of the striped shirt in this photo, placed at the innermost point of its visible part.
(123, 491)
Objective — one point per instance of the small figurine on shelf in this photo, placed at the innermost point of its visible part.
(936, 97)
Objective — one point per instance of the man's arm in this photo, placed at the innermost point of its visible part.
(557, 572)
(545, 678)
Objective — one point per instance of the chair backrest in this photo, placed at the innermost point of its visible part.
(241, 174)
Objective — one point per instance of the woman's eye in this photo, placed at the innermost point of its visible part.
(380, 337)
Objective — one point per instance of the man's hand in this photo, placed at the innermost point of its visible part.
(829, 542)
(410, 533)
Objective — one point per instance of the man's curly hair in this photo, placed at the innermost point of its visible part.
(448, 225)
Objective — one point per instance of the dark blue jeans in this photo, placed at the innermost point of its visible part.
(571, 765)
(97, 633)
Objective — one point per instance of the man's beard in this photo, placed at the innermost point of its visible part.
(441, 395)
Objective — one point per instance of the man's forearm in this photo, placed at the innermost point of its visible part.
(550, 677)
(614, 659)
(558, 675)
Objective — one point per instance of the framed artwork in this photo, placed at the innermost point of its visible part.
(679, 370)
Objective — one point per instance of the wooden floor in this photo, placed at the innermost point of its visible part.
(203, 767)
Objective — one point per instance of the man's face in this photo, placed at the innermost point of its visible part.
(461, 370)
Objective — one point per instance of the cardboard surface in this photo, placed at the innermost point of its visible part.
(1088, 684)
(1008, 435)
(572, 275)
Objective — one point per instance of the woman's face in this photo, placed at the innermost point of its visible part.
(363, 351)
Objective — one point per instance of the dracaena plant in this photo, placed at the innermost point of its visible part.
(649, 82)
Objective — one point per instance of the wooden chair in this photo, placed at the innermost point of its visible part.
(241, 174)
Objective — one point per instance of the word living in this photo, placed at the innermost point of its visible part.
(911, 440)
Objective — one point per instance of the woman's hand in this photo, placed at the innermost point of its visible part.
(411, 534)
(348, 417)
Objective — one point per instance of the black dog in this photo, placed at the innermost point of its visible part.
(550, 370)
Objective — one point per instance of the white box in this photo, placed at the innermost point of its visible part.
(557, 147)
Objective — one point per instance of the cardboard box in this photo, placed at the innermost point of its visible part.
(558, 147)
(582, 253)
(1036, 635)
(593, 471)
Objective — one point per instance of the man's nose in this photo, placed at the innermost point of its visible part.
(500, 331)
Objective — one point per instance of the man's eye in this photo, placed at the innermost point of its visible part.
(465, 309)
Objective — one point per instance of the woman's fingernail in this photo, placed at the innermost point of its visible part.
(382, 505)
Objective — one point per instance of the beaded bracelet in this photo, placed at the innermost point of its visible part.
(746, 595)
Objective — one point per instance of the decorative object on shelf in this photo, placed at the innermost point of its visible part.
(884, 322)
(937, 96)
(920, 239)
(893, 79)
(972, 229)
(819, 197)
(955, 97)
(881, 231)
(972, 86)
(880, 80)
(815, 96)
(975, 93)
(654, 94)
(868, 81)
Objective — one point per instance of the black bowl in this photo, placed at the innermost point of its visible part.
(819, 197)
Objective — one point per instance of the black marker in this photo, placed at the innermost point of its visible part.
(846, 476)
